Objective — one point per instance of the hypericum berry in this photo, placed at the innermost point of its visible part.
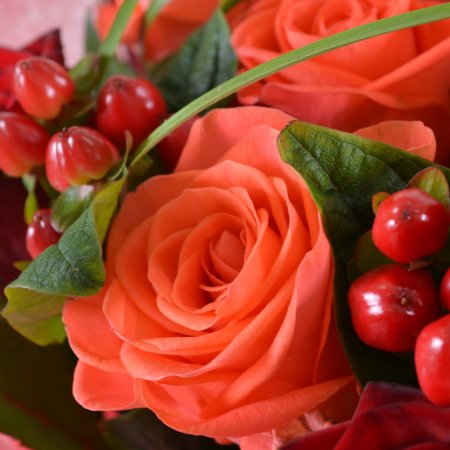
(432, 359)
(40, 233)
(390, 305)
(42, 86)
(77, 155)
(409, 225)
(444, 290)
(22, 143)
(132, 104)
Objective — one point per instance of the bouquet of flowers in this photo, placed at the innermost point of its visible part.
(227, 224)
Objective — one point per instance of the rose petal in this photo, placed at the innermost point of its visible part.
(414, 137)
(98, 390)
(90, 334)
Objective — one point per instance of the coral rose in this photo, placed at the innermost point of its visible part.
(217, 310)
(174, 23)
(403, 75)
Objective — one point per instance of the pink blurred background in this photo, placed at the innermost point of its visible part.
(22, 20)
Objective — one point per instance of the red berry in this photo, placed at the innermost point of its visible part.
(40, 233)
(444, 290)
(22, 143)
(78, 155)
(432, 358)
(132, 104)
(390, 305)
(42, 86)
(409, 225)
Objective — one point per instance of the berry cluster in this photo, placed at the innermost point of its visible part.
(46, 132)
(397, 307)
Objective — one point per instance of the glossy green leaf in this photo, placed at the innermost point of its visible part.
(36, 402)
(205, 61)
(142, 430)
(70, 205)
(73, 267)
(432, 181)
(105, 205)
(343, 172)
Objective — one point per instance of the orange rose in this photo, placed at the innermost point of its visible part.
(217, 310)
(174, 23)
(403, 75)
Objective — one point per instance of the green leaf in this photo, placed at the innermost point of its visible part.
(377, 199)
(105, 205)
(343, 172)
(35, 315)
(73, 267)
(36, 402)
(356, 34)
(205, 61)
(142, 430)
(366, 256)
(433, 182)
(70, 205)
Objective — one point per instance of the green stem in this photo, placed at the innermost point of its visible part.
(153, 11)
(410, 19)
(108, 47)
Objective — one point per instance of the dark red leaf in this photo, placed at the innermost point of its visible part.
(12, 228)
(388, 417)
(49, 45)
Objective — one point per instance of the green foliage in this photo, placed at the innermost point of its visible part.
(433, 181)
(205, 61)
(343, 172)
(70, 205)
(72, 267)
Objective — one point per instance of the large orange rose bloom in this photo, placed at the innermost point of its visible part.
(402, 75)
(217, 310)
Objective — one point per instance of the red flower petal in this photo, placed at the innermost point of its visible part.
(325, 439)
(48, 45)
